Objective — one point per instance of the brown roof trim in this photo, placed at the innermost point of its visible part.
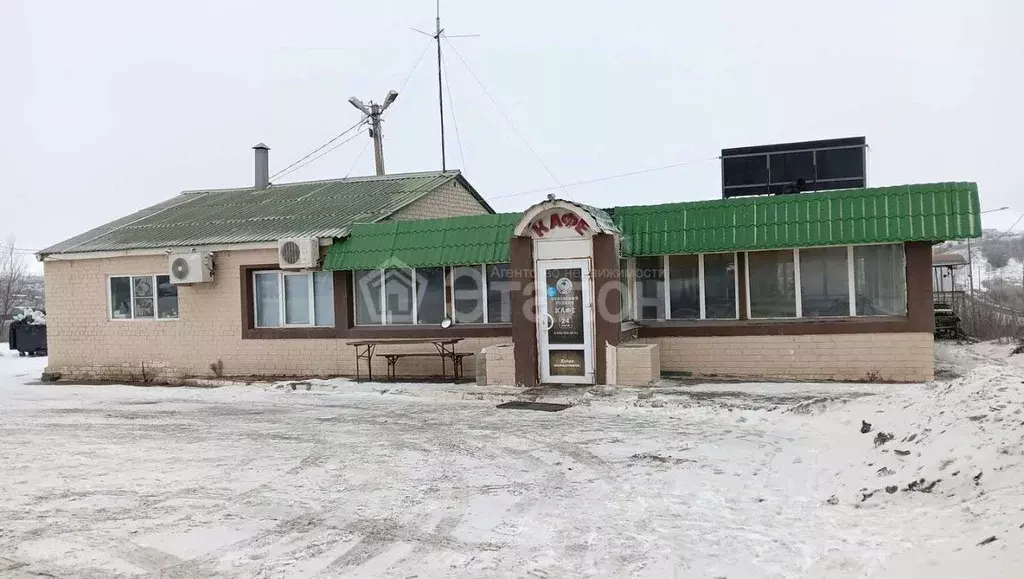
(472, 191)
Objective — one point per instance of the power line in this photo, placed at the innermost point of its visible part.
(451, 105)
(408, 77)
(507, 119)
(314, 151)
(1014, 225)
(366, 145)
(307, 163)
(608, 177)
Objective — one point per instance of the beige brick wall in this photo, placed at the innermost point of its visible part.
(85, 343)
(907, 357)
(500, 365)
(637, 364)
(451, 200)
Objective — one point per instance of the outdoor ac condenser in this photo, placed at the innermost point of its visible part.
(298, 253)
(186, 268)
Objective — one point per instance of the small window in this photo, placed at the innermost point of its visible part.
(499, 294)
(824, 282)
(650, 288)
(468, 291)
(323, 297)
(296, 299)
(143, 297)
(166, 298)
(293, 299)
(121, 298)
(684, 286)
(268, 300)
(772, 284)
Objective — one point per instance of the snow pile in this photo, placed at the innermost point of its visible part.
(30, 316)
(955, 439)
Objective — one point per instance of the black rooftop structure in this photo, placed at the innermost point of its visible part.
(795, 167)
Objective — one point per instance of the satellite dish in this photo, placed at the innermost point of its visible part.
(446, 322)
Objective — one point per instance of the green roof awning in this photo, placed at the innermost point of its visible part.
(929, 212)
(424, 243)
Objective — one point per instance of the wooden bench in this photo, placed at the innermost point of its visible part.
(455, 357)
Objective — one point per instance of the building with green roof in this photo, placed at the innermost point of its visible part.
(415, 275)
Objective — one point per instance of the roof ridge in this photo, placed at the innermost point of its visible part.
(357, 179)
(808, 195)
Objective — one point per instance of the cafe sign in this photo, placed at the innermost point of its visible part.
(559, 220)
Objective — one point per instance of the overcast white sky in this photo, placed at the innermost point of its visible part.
(108, 106)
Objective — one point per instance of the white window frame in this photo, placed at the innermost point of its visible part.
(483, 287)
(448, 272)
(156, 304)
(629, 283)
(851, 282)
(631, 268)
(282, 298)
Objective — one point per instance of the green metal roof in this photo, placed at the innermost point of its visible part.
(311, 209)
(928, 212)
(424, 243)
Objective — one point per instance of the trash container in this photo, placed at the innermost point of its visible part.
(27, 334)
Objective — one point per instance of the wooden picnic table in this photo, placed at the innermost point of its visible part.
(445, 350)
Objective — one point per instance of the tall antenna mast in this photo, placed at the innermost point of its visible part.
(440, 93)
(437, 35)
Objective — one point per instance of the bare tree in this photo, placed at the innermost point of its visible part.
(12, 278)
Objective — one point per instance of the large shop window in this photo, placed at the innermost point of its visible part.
(650, 288)
(699, 287)
(499, 294)
(824, 282)
(878, 273)
(479, 294)
(684, 286)
(143, 297)
(771, 276)
(880, 280)
(287, 299)
(720, 286)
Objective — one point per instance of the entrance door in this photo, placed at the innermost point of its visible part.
(565, 321)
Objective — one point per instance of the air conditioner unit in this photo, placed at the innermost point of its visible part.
(299, 253)
(194, 267)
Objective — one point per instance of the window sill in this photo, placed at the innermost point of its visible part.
(428, 331)
(310, 333)
(369, 332)
(781, 326)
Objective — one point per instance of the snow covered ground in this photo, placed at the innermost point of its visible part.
(733, 480)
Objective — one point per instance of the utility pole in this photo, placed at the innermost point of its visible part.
(373, 111)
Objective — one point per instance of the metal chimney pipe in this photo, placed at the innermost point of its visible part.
(262, 166)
